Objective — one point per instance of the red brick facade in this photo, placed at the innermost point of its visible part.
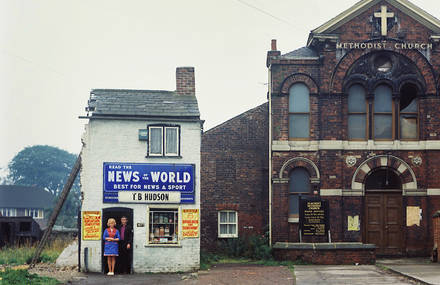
(343, 165)
(234, 175)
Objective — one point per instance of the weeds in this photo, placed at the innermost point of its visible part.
(17, 255)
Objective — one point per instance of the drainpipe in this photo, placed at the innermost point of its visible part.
(270, 153)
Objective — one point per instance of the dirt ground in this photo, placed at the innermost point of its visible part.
(226, 274)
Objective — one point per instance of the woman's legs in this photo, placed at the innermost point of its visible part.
(113, 263)
(109, 263)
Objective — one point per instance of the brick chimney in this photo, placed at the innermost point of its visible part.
(273, 53)
(185, 81)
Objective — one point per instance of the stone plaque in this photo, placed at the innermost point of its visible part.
(314, 217)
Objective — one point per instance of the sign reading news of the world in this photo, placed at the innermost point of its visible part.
(148, 183)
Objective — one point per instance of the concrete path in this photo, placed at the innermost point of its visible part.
(420, 269)
(345, 274)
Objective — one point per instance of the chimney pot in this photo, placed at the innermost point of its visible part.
(274, 44)
(185, 81)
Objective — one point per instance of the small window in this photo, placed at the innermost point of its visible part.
(163, 141)
(163, 226)
(299, 112)
(299, 185)
(227, 224)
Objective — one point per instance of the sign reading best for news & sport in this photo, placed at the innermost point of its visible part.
(148, 183)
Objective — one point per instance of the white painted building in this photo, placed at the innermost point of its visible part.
(141, 159)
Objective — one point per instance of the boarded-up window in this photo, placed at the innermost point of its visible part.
(299, 184)
(357, 112)
(383, 112)
(299, 112)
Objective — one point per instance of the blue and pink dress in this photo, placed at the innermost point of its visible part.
(111, 247)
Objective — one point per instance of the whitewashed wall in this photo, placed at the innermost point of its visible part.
(117, 141)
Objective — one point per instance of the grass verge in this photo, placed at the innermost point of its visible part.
(22, 277)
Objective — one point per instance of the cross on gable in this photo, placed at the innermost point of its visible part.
(384, 15)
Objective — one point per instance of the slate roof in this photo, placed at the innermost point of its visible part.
(303, 52)
(141, 103)
(14, 196)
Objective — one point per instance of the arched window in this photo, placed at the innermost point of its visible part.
(357, 113)
(299, 112)
(409, 110)
(383, 112)
(299, 184)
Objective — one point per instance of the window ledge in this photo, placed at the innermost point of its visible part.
(163, 156)
(293, 220)
(163, 245)
(231, 236)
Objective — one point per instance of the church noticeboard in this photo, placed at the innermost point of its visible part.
(314, 217)
(91, 225)
(190, 223)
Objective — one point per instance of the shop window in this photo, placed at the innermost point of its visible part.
(299, 112)
(409, 111)
(8, 212)
(227, 224)
(163, 140)
(383, 113)
(357, 113)
(163, 226)
(299, 185)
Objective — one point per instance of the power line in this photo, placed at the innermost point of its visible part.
(266, 13)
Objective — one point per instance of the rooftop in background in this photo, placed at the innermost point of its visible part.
(141, 103)
(15, 196)
(304, 52)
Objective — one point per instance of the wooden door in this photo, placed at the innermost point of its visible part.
(383, 222)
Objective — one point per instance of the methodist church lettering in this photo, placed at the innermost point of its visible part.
(148, 183)
(384, 45)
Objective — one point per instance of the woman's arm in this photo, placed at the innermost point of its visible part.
(117, 237)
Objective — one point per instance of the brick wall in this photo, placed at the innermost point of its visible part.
(234, 171)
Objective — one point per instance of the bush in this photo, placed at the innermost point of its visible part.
(253, 247)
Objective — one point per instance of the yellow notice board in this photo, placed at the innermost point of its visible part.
(91, 225)
(190, 223)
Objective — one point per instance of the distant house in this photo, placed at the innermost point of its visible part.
(25, 201)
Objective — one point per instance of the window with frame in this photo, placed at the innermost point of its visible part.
(357, 113)
(163, 226)
(409, 113)
(227, 224)
(299, 112)
(299, 185)
(383, 114)
(34, 213)
(8, 212)
(164, 141)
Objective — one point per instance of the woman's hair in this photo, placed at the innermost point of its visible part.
(111, 221)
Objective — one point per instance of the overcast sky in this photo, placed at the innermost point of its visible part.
(53, 52)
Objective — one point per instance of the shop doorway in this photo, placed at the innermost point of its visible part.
(116, 213)
(383, 212)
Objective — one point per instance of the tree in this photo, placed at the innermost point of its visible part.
(47, 167)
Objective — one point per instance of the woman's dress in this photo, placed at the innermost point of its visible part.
(111, 247)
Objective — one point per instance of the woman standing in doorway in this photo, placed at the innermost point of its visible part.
(111, 237)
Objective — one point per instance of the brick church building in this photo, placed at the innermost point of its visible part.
(352, 119)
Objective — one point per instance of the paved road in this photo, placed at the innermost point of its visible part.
(345, 274)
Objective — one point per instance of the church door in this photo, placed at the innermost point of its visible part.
(384, 213)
